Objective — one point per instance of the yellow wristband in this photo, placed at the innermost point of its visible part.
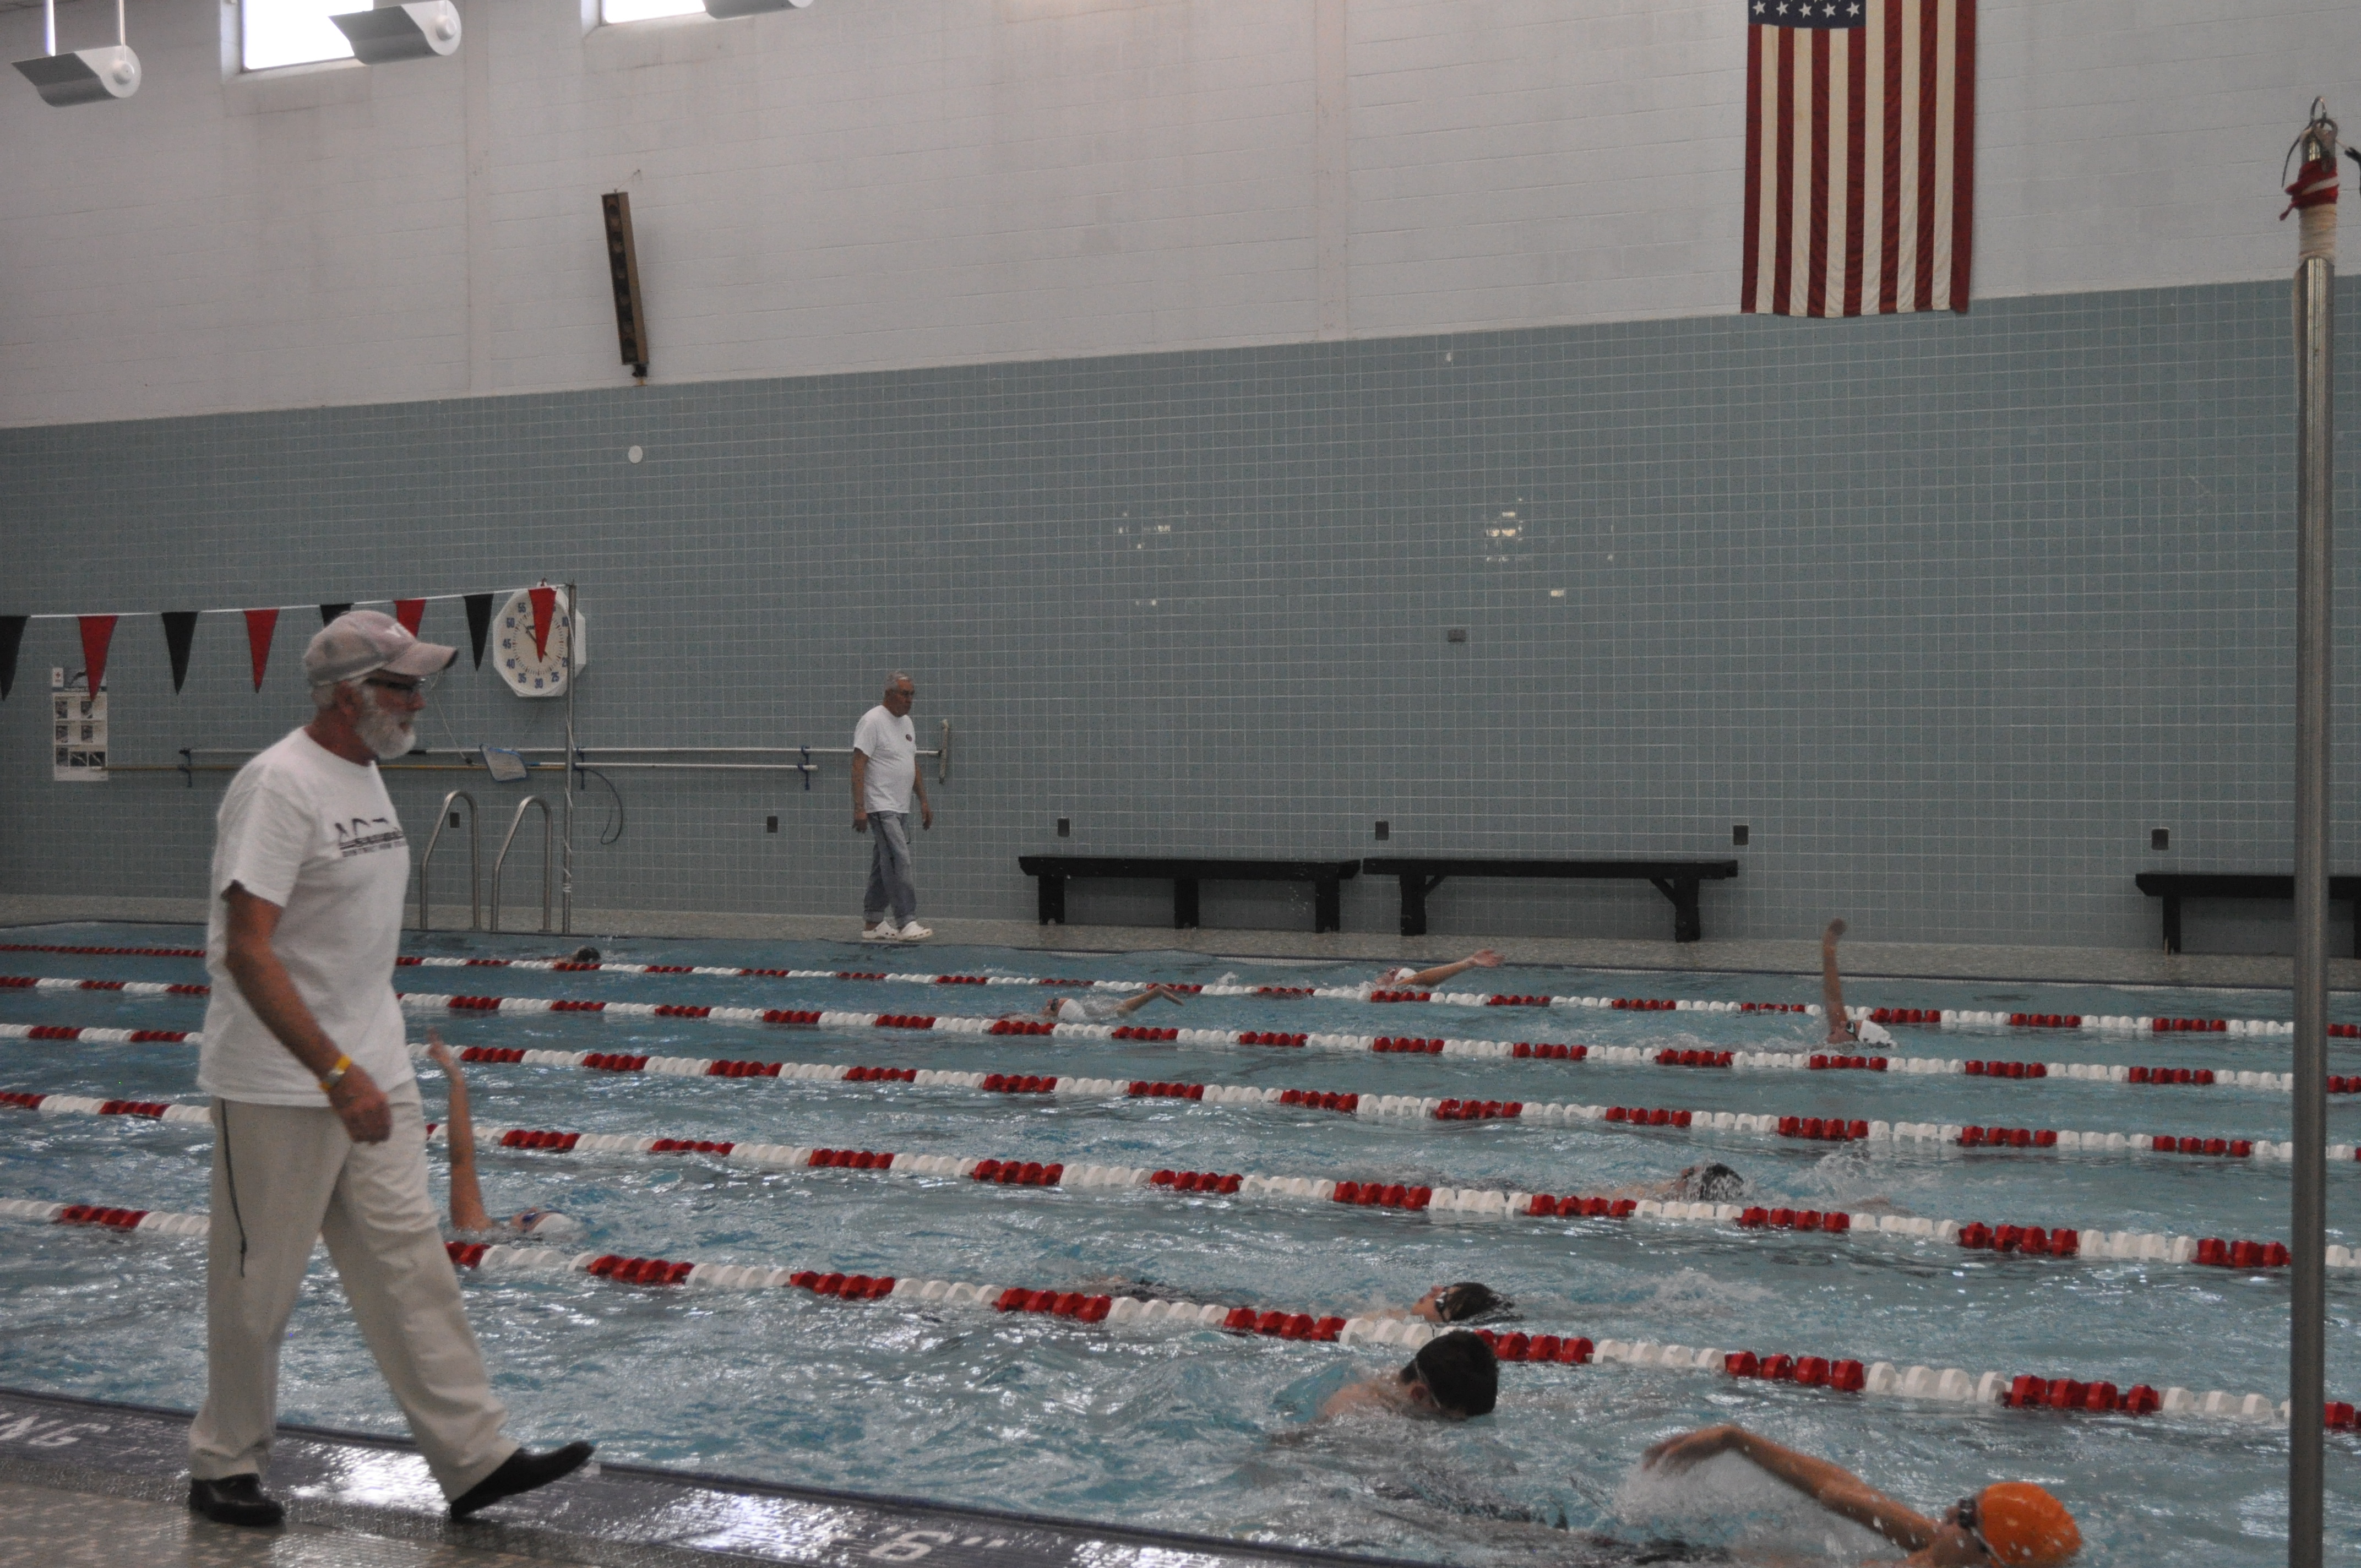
(336, 1074)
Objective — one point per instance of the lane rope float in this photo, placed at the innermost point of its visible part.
(1936, 1017)
(1834, 1374)
(1455, 1202)
(1817, 1129)
(1521, 1051)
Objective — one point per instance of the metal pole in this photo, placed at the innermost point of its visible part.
(2307, 1341)
(573, 621)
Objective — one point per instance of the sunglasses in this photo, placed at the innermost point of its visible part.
(418, 688)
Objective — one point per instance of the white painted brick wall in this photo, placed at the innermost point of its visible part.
(872, 186)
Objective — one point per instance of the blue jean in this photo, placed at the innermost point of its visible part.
(889, 870)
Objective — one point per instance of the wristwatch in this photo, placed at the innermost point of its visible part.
(336, 1074)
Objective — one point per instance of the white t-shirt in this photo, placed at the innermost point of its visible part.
(892, 746)
(315, 835)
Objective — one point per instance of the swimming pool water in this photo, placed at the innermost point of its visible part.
(1205, 1431)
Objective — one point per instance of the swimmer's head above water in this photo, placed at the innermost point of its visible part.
(1710, 1184)
(1466, 1302)
(540, 1222)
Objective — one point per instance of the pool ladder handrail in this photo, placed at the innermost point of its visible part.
(548, 859)
(475, 861)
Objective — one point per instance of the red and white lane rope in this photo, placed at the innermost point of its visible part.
(1620, 1056)
(1476, 1204)
(1815, 1129)
(1936, 1017)
(1838, 1375)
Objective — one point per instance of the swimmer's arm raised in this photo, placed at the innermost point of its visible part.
(1425, 979)
(1832, 1487)
(467, 1193)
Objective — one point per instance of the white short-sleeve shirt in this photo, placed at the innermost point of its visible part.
(891, 746)
(315, 835)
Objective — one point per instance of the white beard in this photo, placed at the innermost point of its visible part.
(386, 734)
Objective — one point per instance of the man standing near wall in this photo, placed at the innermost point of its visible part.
(885, 771)
(317, 1128)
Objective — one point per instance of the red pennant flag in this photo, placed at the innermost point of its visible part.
(97, 632)
(545, 605)
(259, 625)
(410, 612)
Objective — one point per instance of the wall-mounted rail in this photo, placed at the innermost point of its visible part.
(475, 860)
(548, 857)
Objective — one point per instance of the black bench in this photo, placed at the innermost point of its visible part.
(1185, 872)
(2174, 886)
(1677, 880)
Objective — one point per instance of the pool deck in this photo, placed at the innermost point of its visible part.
(352, 1499)
(1920, 960)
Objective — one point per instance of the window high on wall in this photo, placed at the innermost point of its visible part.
(647, 10)
(293, 32)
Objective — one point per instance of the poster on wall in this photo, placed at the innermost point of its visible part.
(78, 728)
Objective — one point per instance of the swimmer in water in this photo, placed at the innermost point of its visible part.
(1405, 979)
(466, 1194)
(1468, 1301)
(1843, 1028)
(2015, 1524)
(1094, 1009)
(1697, 1184)
(585, 954)
(1452, 1376)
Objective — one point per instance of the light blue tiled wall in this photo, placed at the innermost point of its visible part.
(1951, 611)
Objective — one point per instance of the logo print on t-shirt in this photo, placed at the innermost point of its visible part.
(366, 834)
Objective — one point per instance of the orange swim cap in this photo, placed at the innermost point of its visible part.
(2024, 1526)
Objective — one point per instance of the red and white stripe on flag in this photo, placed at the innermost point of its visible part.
(1861, 144)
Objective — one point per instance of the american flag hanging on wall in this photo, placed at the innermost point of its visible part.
(1861, 152)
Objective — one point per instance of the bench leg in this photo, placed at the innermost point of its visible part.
(1049, 899)
(1328, 910)
(1683, 891)
(1184, 903)
(2172, 923)
(1415, 888)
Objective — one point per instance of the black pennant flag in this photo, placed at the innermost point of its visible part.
(479, 623)
(12, 631)
(329, 612)
(179, 630)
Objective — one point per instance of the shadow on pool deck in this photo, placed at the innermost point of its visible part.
(1924, 960)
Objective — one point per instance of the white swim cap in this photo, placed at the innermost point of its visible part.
(549, 1223)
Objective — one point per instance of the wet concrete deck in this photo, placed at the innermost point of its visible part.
(357, 1498)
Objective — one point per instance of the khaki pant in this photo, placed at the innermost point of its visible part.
(283, 1177)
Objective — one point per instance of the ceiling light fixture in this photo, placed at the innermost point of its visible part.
(84, 76)
(415, 31)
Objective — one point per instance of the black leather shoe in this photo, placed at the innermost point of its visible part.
(235, 1499)
(520, 1472)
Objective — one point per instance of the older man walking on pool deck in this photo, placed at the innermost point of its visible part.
(885, 771)
(317, 1128)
